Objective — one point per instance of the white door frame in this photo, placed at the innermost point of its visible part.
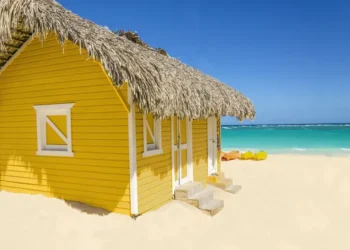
(187, 146)
(212, 145)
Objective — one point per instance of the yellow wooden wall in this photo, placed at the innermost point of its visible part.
(200, 150)
(154, 172)
(98, 174)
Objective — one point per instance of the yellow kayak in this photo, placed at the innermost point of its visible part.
(247, 155)
(260, 156)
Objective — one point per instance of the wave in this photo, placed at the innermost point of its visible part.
(299, 149)
(229, 128)
(303, 151)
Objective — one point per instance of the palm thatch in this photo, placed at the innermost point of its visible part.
(161, 85)
(134, 37)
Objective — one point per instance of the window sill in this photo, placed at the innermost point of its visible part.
(152, 152)
(55, 153)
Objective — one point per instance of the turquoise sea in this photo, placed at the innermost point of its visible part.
(325, 139)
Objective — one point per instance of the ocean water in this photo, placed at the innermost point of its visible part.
(324, 139)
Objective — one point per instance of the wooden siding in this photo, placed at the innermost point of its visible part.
(200, 150)
(154, 172)
(98, 174)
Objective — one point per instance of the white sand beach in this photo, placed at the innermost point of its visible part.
(286, 203)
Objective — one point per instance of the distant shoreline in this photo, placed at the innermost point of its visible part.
(287, 124)
(297, 152)
(331, 139)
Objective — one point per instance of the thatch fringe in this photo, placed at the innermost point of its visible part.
(161, 85)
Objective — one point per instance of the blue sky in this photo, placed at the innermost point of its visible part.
(291, 58)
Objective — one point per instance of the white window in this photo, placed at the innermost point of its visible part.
(54, 129)
(152, 139)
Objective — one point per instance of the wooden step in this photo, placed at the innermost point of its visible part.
(212, 207)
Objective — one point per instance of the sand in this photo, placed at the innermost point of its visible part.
(286, 203)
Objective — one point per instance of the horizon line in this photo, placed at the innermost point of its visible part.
(326, 123)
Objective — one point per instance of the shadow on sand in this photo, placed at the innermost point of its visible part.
(85, 208)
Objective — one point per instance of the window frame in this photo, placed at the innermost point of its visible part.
(42, 111)
(154, 148)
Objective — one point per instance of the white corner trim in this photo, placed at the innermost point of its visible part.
(152, 152)
(55, 153)
(134, 203)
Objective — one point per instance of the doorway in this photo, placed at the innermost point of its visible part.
(212, 145)
(181, 151)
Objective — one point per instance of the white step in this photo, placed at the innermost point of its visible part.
(203, 197)
(188, 190)
(212, 207)
(222, 183)
(233, 189)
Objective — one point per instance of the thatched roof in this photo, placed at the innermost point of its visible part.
(161, 85)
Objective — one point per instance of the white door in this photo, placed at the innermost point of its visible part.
(182, 150)
(212, 145)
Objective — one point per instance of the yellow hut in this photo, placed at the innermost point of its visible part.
(90, 116)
